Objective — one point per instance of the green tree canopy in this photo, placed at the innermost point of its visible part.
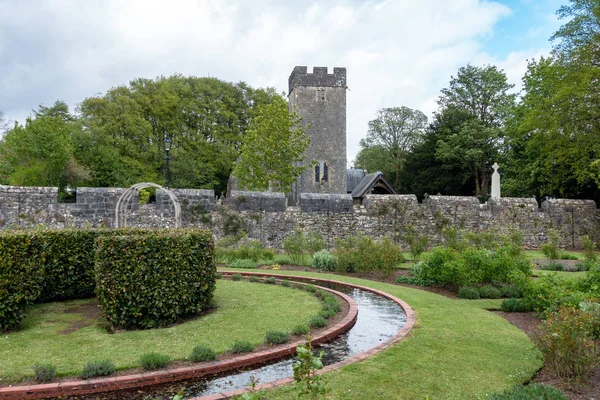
(395, 131)
(483, 93)
(273, 152)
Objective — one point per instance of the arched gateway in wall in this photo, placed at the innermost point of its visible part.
(125, 199)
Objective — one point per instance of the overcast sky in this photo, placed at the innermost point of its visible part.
(397, 52)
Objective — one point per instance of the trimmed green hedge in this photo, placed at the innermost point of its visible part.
(151, 280)
(21, 276)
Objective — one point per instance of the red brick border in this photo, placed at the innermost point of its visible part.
(410, 322)
(100, 385)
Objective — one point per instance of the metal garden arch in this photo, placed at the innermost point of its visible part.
(125, 199)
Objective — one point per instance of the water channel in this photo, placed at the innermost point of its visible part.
(378, 320)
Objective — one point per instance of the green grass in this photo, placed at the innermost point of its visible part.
(538, 255)
(562, 274)
(457, 350)
(244, 311)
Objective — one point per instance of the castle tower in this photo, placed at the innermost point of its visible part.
(320, 100)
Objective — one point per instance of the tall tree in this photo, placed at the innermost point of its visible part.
(577, 40)
(395, 131)
(273, 152)
(483, 92)
(3, 123)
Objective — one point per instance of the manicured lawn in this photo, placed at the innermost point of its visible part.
(457, 350)
(244, 311)
(562, 274)
(538, 255)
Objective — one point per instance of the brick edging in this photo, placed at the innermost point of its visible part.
(410, 322)
(100, 385)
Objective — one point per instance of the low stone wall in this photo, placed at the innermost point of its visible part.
(265, 216)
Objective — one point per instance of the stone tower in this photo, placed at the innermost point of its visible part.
(320, 100)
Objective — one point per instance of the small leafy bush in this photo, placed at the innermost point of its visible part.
(310, 288)
(243, 263)
(269, 280)
(469, 292)
(218, 275)
(568, 256)
(229, 251)
(308, 382)
(489, 292)
(153, 360)
(552, 266)
(276, 337)
(550, 249)
(286, 283)
(253, 278)
(568, 345)
(298, 244)
(327, 313)
(241, 346)
(325, 261)
(363, 254)
(510, 291)
(202, 353)
(98, 368)
(300, 329)
(44, 372)
(592, 308)
(513, 305)
(417, 244)
(413, 280)
(236, 277)
(317, 321)
(536, 391)
(589, 250)
(549, 293)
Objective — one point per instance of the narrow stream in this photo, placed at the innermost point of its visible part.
(378, 320)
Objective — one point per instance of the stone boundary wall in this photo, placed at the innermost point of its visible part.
(265, 216)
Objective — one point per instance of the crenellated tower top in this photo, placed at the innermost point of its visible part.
(318, 78)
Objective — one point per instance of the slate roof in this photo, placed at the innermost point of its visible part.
(369, 182)
(354, 176)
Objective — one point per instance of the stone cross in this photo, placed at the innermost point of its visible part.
(495, 182)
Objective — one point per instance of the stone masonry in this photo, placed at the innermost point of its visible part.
(319, 98)
(265, 216)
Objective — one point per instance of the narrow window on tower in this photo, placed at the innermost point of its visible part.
(325, 177)
(321, 94)
(317, 173)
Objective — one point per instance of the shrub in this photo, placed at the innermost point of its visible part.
(236, 277)
(44, 372)
(568, 345)
(317, 321)
(510, 291)
(253, 278)
(308, 382)
(536, 391)
(218, 275)
(242, 263)
(324, 261)
(489, 292)
(413, 280)
(468, 292)
(21, 278)
(549, 293)
(269, 280)
(202, 353)
(551, 266)
(589, 250)
(286, 283)
(152, 280)
(550, 249)
(513, 305)
(310, 288)
(98, 368)
(153, 360)
(295, 246)
(443, 266)
(567, 256)
(327, 313)
(592, 308)
(417, 244)
(242, 346)
(300, 329)
(276, 337)
(488, 239)
(362, 254)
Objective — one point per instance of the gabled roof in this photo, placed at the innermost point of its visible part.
(370, 182)
(354, 176)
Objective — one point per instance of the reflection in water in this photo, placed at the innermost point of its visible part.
(378, 320)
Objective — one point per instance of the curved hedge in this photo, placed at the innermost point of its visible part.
(151, 280)
(48, 265)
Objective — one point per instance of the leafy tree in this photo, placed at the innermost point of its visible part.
(273, 152)
(424, 172)
(395, 131)
(375, 158)
(3, 123)
(59, 110)
(36, 154)
(482, 92)
(577, 40)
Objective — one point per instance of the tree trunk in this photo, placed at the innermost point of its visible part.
(477, 188)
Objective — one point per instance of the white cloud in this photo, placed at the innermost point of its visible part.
(396, 52)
